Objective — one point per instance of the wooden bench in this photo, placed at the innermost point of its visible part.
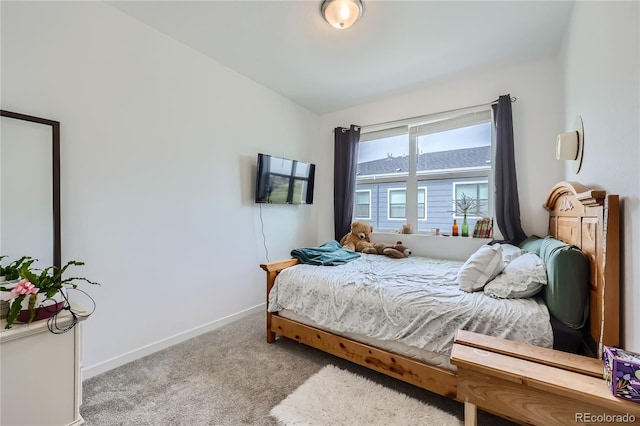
(533, 385)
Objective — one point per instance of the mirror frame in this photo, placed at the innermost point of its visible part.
(55, 147)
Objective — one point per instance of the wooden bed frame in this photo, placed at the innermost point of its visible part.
(579, 215)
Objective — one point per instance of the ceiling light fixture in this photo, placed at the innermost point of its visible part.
(342, 14)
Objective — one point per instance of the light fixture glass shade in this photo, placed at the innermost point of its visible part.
(342, 14)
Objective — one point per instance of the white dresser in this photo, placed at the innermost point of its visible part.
(40, 377)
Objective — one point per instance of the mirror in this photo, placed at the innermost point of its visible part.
(30, 188)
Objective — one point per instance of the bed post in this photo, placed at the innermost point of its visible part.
(610, 294)
(273, 269)
(271, 277)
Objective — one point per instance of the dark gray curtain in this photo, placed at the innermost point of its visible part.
(344, 177)
(507, 202)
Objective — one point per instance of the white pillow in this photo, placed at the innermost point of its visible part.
(481, 267)
(510, 252)
(523, 277)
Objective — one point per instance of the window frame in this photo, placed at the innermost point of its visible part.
(355, 204)
(420, 188)
(453, 200)
(413, 129)
(389, 191)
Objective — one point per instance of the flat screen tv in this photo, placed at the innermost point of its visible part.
(283, 181)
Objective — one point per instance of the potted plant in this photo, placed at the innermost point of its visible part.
(39, 295)
(463, 205)
(11, 272)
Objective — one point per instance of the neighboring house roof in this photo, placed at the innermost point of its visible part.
(454, 159)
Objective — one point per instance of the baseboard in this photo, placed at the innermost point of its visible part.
(101, 367)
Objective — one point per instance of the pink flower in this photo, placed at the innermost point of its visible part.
(23, 287)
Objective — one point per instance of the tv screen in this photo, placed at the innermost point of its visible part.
(284, 181)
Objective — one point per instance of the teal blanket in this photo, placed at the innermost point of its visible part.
(328, 254)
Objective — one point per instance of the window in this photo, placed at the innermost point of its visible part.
(362, 208)
(411, 173)
(398, 203)
(478, 192)
(422, 203)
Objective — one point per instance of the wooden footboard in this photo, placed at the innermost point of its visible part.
(434, 379)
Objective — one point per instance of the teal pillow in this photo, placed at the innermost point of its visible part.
(567, 291)
(532, 244)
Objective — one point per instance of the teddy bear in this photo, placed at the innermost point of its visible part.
(397, 250)
(358, 238)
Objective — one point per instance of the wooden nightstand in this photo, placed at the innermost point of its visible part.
(534, 385)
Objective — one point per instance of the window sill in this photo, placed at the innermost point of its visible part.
(435, 246)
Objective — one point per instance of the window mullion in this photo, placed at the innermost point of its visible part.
(412, 181)
(491, 196)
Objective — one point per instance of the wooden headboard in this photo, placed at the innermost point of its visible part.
(590, 219)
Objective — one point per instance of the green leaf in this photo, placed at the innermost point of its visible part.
(32, 306)
(52, 292)
(12, 270)
(28, 275)
(16, 307)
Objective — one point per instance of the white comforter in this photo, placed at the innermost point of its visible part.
(415, 301)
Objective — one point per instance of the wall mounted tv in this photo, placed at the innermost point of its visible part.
(283, 181)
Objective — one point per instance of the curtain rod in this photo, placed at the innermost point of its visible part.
(513, 99)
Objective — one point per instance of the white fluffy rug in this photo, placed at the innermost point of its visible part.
(337, 397)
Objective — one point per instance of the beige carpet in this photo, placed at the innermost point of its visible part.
(226, 377)
(334, 397)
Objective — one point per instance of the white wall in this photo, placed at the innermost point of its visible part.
(537, 113)
(602, 84)
(159, 147)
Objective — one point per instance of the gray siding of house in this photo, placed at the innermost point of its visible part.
(439, 206)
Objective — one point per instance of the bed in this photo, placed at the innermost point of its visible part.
(412, 340)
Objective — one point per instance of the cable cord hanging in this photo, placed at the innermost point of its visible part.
(54, 325)
(264, 238)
